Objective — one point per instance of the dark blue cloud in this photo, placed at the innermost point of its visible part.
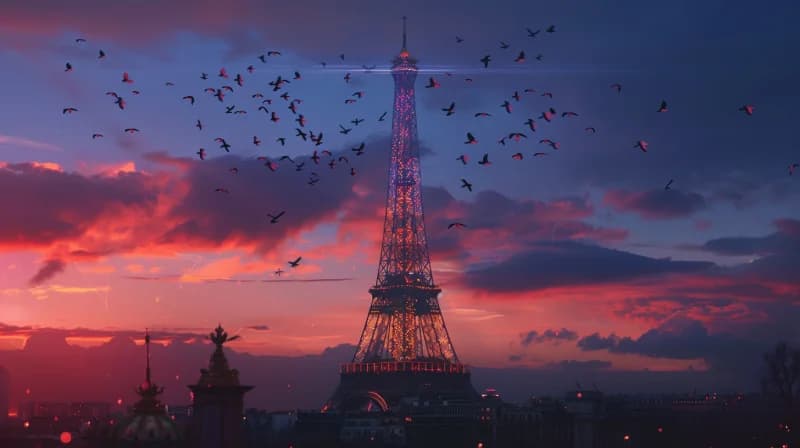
(549, 335)
(549, 264)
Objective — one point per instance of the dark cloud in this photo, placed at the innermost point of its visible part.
(47, 271)
(656, 204)
(549, 335)
(52, 205)
(550, 264)
(677, 338)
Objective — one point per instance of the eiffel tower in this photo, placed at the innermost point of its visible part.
(404, 349)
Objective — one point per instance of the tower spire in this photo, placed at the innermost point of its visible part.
(147, 350)
(404, 32)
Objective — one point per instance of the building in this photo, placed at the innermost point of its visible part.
(148, 425)
(5, 391)
(218, 419)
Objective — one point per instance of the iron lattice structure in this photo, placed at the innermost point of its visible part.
(405, 322)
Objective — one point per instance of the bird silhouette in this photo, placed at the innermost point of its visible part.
(470, 139)
(641, 144)
(662, 107)
(296, 262)
(450, 110)
(748, 109)
(273, 219)
(465, 184)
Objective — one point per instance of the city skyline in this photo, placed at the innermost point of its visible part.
(676, 256)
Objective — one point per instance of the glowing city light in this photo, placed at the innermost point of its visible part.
(65, 438)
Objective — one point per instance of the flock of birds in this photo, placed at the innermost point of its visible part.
(280, 101)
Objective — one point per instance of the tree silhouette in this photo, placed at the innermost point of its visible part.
(783, 374)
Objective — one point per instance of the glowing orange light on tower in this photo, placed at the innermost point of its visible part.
(65, 438)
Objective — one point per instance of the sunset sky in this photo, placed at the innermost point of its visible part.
(580, 255)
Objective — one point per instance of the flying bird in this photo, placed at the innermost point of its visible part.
(68, 67)
(296, 262)
(485, 60)
(359, 149)
(568, 114)
(189, 98)
(470, 139)
(482, 114)
(199, 125)
(550, 29)
(201, 153)
(233, 170)
(450, 109)
(590, 130)
(273, 53)
(793, 167)
(273, 219)
(552, 143)
(223, 73)
(668, 187)
(222, 190)
(465, 184)
(484, 160)
(463, 158)
(532, 33)
(96, 136)
(517, 156)
(126, 78)
(382, 117)
(617, 87)
(68, 110)
(520, 57)
(256, 140)
(531, 124)
(357, 121)
(516, 136)
(641, 144)
(457, 225)
(507, 106)
(748, 109)
(432, 84)
(223, 144)
(131, 130)
(278, 272)
(662, 107)
(503, 45)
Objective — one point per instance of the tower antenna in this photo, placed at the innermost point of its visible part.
(147, 349)
(404, 32)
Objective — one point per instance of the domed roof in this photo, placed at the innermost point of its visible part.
(147, 428)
